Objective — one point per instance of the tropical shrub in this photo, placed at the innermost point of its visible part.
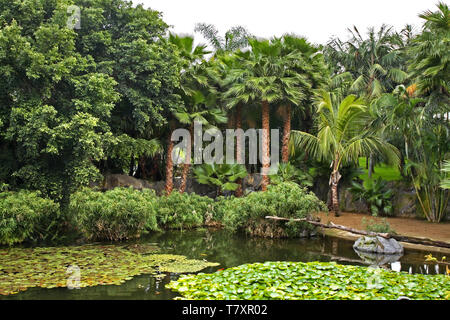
(223, 176)
(25, 216)
(121, 213)
(312, 280)
(183, 211)
(286, 200)
(287, 172)
(376, 194)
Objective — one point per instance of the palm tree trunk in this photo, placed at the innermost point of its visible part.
(238, 115)
(335, 197)
(143, 168)
(370, 166)
(265, 145)
(169, 166)
(334, 182)
(286, 135)
(187, 164)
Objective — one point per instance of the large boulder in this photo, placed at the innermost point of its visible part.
(112, 181)
(378, 245)
(351, 203)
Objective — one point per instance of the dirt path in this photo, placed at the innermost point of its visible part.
(404, 226)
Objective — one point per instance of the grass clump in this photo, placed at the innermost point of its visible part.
(118, 214)
(26, 216)
(377, 226)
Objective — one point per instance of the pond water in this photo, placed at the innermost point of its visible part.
(228, 250)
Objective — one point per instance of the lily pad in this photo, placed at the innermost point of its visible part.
(312, 280)
(86, 266)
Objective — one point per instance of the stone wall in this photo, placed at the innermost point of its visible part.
(251, 183)
(404, 199)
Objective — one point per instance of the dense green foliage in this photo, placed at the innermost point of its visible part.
(368, 66)
(183, 211)
(286, 200)
(77, 104)
(53, 267)
(81, 103)
(113, 215)
(67, 95)
(312, 280)
(288, 172)
(126, 213)
(376, 194)
(25, 216)
(222, 176)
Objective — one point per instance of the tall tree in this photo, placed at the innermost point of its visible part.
(76, 99)
(342, 137)
(55, 105)
(429, 59)
(307, 72)
(430, 131)
(376, 63)
(260, 68)
(129, 43)
(195, 90)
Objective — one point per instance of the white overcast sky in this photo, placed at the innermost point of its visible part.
(318, 20)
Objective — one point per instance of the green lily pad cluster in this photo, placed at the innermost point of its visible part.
(312, 280)
(49, 267)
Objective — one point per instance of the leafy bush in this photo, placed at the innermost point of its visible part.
(287, 172)
(286, 199)
(25, 216)
(312, 280)
(222, 176)
(121, 213)
(376, 194)
(183, 211)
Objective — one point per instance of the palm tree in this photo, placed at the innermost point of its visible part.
(223, 68)
(430, 130)
(193, 79)
(429, 54)
(376, 63)
(306, 72)
(169, 162)
(260, 68)
(235, 38)
(199, 112)
(342, 137)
